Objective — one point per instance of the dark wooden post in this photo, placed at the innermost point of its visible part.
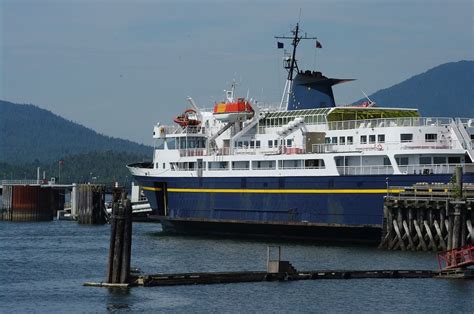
(127, 241)
(113, 229)
(120, 248)
(457, 209)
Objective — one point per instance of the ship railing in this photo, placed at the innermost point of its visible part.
(428, 168)
(192, 152)
(173, 129)
(467, 122)
(418, 169)
(389, 122)
(292, 150)
(245, 151)
(219, 169)
(385, 146)
(364, 170)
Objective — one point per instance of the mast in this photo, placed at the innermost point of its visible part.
(290, 63)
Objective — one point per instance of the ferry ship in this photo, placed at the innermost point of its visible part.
(305, 168)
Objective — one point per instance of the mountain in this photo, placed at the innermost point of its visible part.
(443, 91)
(31, 134)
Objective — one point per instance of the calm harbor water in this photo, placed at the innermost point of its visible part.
(43, 267)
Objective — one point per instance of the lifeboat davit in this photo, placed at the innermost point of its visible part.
(188, 118)
(233, 110)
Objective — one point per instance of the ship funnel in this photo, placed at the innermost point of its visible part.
(311, 90)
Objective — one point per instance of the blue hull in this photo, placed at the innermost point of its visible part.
(344, 201)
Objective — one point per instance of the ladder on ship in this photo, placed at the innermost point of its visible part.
(463, 137)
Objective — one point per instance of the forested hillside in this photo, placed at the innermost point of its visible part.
(444, 91)
(101, 167)
(31, 134)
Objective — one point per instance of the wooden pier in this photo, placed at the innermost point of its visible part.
(429, 216)
(88, 203)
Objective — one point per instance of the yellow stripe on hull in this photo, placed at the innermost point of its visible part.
(279, 191)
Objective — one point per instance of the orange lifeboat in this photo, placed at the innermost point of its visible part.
(187, 118)
(233, 111)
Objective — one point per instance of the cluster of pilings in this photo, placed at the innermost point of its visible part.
(88, 203)
(429, 217)
(120, 249)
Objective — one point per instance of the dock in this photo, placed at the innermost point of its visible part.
(429, 216)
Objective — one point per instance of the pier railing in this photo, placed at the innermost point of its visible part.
(19, 182)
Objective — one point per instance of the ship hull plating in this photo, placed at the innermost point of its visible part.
(326, 208)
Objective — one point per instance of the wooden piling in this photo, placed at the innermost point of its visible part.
(127, 239)
(118, 270)
(89, 203)
(113, 231)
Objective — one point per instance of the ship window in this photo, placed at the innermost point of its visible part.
(314, 164)
(263, 164)
(160, 143)
(246, 144)
(156, 165)
(217, 165)
(350, 140)
(164, 165)
(257, 144)
(439, 160)
(431, 137)
(408, 137)
(184, 166)
(252, 144)
(239, 144)
(290, 164)
(270, 143)
(327, 140)
(334, 140)
(240, 165)
(425, 160)
(342, 140)
(363, 139)
(275, 143)
(289, 142)
(402, 161)
(386, 161)
(454, 160)
(371, 139)
(381, 138)
(171, 143)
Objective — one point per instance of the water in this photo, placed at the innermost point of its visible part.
(43, 267)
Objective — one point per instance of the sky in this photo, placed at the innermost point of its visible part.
(119, 67)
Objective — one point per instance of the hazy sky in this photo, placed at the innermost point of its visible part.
(121, 66)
